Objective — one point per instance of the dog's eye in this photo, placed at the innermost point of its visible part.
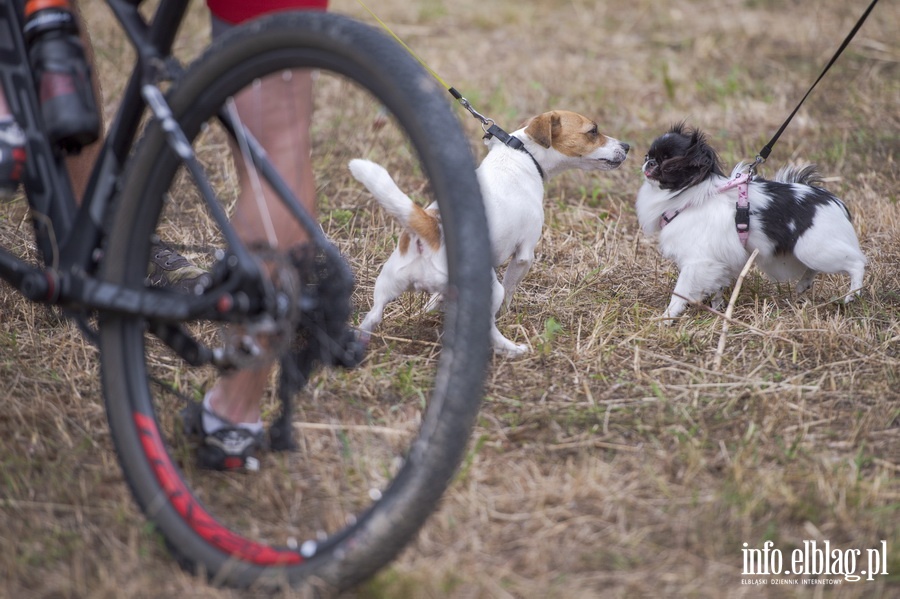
(593, 131)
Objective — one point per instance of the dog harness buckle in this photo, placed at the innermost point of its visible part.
(667, 217)
(742, 219)
(742, 206)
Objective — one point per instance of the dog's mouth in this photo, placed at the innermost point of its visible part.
(615, 155)
(610, 163)
(614, 162)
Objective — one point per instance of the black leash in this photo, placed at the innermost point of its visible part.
(742, 209)
(767, 149)
(491, 129)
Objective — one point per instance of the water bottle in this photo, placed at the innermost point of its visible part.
(12, 155)
(63, 76)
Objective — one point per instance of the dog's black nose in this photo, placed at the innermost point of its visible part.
(625, 147)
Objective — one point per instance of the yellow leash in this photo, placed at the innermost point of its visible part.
(486, 123)
(400, 41)
(491, 129)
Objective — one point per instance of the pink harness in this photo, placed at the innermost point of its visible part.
(742, 207)
(668, 216)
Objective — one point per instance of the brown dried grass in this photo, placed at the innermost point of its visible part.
(616, 459)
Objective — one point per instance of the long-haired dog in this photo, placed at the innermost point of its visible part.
(799, 228)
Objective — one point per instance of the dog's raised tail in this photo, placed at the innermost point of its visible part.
(382, 186)
(415, 219)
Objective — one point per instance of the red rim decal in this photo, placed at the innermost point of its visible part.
(193, 512)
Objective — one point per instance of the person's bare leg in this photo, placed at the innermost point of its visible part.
(278, 112)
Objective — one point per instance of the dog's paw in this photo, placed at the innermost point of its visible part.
(435, 303)
(371, 320)
(851, 297)
(508, 349)
(669, 318)
(804, 285)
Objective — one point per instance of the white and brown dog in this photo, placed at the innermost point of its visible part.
(512, 186)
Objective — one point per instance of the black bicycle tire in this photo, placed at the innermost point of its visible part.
(362, 53)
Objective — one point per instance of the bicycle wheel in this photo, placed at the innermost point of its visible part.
(377, 445)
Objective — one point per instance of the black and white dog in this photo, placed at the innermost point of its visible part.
(799, 228)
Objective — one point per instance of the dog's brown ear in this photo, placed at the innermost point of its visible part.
(543, 127)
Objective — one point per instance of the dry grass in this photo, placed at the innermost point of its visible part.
(618, 459)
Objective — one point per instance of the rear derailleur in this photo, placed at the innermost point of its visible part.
(322, 334)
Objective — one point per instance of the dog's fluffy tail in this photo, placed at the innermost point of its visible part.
(804, 175)
(382, 186)
(808, 174)
(415, 219)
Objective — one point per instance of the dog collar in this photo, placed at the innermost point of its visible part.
(513, 142)
(669, 215)
(666, 217)
(742, 206)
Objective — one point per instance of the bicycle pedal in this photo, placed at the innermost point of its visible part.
(211, 456)
(230, 449)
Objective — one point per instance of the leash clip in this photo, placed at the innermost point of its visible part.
(491, 129)
(485, 122)
(751, 172)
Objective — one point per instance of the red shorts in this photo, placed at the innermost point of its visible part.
(238, 11)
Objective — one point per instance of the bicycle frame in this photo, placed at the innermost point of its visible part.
(70, 235)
